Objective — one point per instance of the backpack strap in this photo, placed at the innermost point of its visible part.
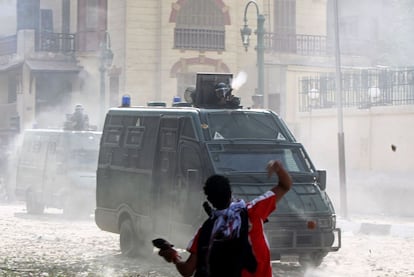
(248, 259)
(203, 248)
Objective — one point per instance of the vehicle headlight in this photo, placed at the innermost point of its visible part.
(327, 222)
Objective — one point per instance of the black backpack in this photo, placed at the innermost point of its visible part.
(224, 258)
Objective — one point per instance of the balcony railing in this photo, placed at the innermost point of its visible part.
(312, 45)
(8, 45)
(198, 39)
(56, 42)
(360, 89)
(307, 45)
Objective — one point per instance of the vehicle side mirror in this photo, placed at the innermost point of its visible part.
(321, 179)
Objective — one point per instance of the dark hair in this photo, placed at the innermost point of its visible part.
(218, 191)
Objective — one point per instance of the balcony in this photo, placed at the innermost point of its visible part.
(56, 42)
(46, 41)
(306, 45)
(312, 45)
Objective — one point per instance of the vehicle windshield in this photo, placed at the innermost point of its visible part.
(245, 125)
(293, 159)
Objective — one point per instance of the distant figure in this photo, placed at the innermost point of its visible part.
(190, 95)
(78, 120)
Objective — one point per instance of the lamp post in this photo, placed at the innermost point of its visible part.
(341, 135)
(106, 57)
(245, 34)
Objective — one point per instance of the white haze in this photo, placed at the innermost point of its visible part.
(7, 14)
(239, 80)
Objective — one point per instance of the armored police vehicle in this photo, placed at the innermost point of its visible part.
(57, 169)
(153, 161)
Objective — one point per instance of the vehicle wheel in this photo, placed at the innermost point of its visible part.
(33, 205)
(312, 259)
(128, 240)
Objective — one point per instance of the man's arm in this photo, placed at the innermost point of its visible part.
(188, 267)
(185, 268)
(285, 180)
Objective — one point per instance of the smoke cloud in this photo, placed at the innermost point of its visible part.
(239, 80)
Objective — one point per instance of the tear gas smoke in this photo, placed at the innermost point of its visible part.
(239, 80)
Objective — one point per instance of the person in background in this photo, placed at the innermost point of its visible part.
(218, 191)
(78, 119)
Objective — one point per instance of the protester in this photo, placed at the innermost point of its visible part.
(218, 191)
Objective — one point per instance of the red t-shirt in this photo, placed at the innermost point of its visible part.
(258, 211)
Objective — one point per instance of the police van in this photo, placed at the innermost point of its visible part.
(57, 169)
(154, 160)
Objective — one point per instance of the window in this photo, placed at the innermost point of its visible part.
(285, 16)
(149, 140)
(200, 26)
(46, 20)
(134, 137)
(112, 135)
(168, 139)
(36, 145)
(349, 27)
(92, 24)
(92, 14)
(188, 129)
(285, 26)
(240, 125)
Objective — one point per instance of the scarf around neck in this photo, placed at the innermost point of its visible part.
(228, 221)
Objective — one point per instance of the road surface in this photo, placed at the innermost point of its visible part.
(51, 245)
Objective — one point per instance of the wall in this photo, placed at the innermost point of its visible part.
(378, 179)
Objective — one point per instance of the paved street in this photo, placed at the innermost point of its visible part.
(50, 245)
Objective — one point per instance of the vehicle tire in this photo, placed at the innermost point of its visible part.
(312, 259)
(33, 204)
(128, 240)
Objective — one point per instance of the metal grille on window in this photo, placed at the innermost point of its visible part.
(200, 26)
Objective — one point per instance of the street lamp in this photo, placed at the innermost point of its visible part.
(106, 57)
(245, 34)
(341, 135)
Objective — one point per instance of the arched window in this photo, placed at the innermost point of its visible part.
(200, 26)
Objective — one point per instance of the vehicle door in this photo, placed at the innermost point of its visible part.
(53, 182)
(190, 176)
(179, 178)
(30, 164)
(165, 167)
